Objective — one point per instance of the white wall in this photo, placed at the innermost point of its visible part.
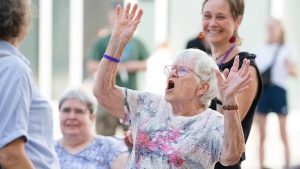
(292, 26)
(185, 22)
(253, 27)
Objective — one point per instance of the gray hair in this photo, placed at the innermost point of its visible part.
(80, 95)
(205, 67)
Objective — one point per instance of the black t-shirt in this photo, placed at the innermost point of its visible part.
(198, 44)
(247, 121)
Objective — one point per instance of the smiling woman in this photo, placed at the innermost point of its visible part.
(220, 24)
(79, 147)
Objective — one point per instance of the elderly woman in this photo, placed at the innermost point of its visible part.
(178, 130)
(25, 116)
(79, 147)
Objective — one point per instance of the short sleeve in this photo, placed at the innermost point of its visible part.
(130, 99)
(134, 103)
(15, 91)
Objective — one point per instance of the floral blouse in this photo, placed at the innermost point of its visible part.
(164, 140)
(98, 155)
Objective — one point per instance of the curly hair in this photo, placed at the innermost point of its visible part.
(15, 17)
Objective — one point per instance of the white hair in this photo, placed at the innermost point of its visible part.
(204, 66)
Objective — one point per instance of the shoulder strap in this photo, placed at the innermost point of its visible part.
(275, 56)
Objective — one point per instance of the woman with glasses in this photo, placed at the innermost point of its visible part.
(177, 130)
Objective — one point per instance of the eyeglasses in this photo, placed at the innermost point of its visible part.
(180, 70)
(77, 111)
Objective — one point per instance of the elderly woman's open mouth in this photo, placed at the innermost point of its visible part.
(170, 85)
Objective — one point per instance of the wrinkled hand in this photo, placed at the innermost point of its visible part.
(235, 81)
(126, 22)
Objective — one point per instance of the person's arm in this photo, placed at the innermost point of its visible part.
(120, 162)
(291, 68)
(107, 93)
(13, 155)
(237, 81)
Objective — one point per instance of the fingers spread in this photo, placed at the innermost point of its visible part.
(126, 13)
(226, 72)
(235, 65)
(245, 81)
(138, 16)
(245, 67)
(133, 12)
(118, 10)
(218, 74)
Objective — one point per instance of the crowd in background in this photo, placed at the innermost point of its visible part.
(26, 123)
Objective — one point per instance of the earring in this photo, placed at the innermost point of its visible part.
(201, 36)
(233, 38)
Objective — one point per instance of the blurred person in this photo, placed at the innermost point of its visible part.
(155, 79)
(25, 116)
(220, 24)
(280, 58)
(133, 60)
(79, 147)
(198, 43)
(178, 130)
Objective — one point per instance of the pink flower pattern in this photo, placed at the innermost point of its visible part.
(159, 145)
(162, 140)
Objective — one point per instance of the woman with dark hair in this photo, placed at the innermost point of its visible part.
(26, 117)
(220, 24)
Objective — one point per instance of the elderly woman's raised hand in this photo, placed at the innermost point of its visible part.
(234, 81)
(126, 23)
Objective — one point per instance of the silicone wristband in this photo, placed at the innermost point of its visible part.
(111, 58)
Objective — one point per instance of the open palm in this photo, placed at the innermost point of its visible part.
(234, 81)
(126, 22)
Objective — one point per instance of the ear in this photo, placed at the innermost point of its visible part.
(93, 117)
(238, 21)
(202, 88)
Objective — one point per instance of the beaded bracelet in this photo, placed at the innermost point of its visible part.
(111, 58)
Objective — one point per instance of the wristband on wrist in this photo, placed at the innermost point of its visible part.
(111, 58)
(230, 107)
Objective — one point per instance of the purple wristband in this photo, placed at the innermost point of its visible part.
(111, 58)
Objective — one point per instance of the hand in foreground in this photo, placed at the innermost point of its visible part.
(126, 23)
(128, 138)
(237, 80)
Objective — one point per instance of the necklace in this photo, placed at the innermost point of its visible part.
(226, 54)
